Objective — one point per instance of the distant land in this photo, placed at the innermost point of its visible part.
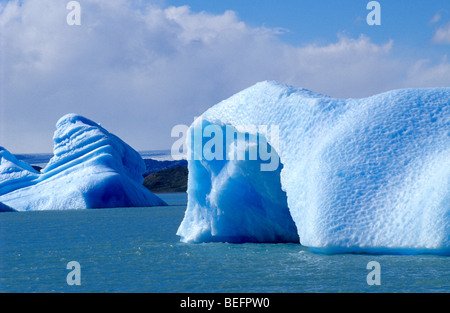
(153, 166)
(169, 180)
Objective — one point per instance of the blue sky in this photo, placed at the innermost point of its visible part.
(141, 67)
(406, 21)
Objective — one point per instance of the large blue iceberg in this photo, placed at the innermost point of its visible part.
(91, 168)
(354, 175)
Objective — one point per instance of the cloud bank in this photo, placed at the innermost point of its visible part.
(139, 71)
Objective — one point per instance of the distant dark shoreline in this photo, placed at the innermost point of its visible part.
(170, 180)
(165, 193)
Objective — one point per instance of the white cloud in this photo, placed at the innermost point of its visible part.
(436, 18)
(442, 35)
(424, 74)
(141, 71)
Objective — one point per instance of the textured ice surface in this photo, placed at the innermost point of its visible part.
(91, 168)
(361, 175)
(14, 174)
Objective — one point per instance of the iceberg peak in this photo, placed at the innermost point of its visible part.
(91, 168)
(272, 86)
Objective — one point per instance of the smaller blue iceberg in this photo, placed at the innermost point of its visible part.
(91, 168)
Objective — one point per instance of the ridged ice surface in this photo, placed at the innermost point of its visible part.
(91, 168)
(359, 175)
(14, 174)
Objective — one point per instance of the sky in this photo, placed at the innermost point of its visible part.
(139, 68)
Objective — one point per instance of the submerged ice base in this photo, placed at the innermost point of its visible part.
(91, 168)
(358, 175)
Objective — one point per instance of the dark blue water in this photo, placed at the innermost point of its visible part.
(137, 250)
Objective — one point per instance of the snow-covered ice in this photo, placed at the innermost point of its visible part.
(91, 168)
(356, 175)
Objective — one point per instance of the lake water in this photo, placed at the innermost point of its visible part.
(137, 250)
